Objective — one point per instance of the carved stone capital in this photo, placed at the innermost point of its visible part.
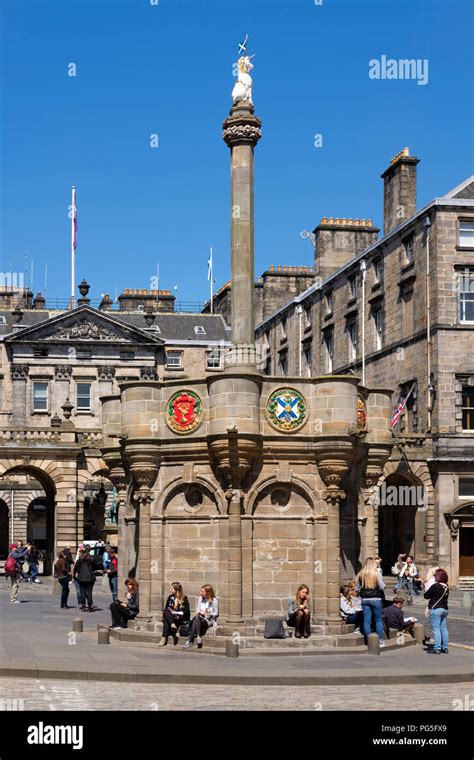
(333, 458)
(144, 465)
(242, 127)
(19, 371)
(147, 373)
(234, 456)
(106, 373)
(333, 496)
(62, 371)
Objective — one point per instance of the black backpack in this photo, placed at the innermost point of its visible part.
(274, 629)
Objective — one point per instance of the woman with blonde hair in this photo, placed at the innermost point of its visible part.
(299, 612)
(207, 612)
(175, 613)
(370, 586)
(430, 577)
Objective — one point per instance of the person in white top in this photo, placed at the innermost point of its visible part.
(207, 612)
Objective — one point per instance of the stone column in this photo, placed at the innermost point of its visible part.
(241, 133)
(235, 557)
(333, 497)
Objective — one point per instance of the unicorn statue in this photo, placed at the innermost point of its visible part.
(243, 86)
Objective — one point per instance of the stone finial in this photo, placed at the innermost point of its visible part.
(241, 127)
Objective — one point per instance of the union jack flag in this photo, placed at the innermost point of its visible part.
(401, 406)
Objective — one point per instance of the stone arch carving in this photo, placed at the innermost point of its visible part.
(270, 485)
(213, 501)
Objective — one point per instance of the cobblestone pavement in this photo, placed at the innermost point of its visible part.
(45, 694)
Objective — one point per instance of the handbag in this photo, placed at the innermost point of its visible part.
(274, 629)
(428, 610)
(185, 628)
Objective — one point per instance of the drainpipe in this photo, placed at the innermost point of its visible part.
(300, 312)
(363, 272)
(426, 228)
(12, 499)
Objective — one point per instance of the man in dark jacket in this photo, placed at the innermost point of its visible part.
(393, 617)
(84, 573)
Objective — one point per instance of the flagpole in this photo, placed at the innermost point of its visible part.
(212, 284)
(73, 275)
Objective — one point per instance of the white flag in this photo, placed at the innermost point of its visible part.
(209, 265)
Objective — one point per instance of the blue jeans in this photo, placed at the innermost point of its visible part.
(113, 585)
(33, 573)
(355, 618)
(440, 629)
(373, 607)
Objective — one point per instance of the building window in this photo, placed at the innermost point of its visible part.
(466, 234)
(467, 407)
(352, 282)
(329, 302)
(378, 269)
(308, 359)
(378, 326)
(408, 246)
(308, 316)
(466, 488)
(199, 330)
(329, 343)
(465, 286)
(283, 363)
(283, 335)
(84, 397)
(174, 359)
(352, 334)
(40, 397)
(214, 359)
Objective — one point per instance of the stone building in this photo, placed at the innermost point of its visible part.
(398, 311)
(54, 368)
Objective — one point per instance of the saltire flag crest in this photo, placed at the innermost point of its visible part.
(74, 218)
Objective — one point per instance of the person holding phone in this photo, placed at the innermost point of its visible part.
(207, 612)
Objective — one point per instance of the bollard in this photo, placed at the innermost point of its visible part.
(373, 644)
(419, 632)
(466, 599)
(103, 636)
(231, 649)
(77, 625)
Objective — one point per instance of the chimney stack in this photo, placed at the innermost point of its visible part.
(399, 190)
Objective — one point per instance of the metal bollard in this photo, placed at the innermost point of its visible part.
(419, 631)
(77, 625)
(103, 636)
(373, 644)
(466, 599)
(231, 649)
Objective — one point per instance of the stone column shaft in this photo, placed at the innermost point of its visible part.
(242, 245)
(235, 560)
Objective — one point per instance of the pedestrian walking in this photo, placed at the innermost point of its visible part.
(63, 575)
(33, 565)
(13, 564)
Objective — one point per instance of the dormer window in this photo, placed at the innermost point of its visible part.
(378, 269)
(408, 246)
(199, 330)
(329, 302)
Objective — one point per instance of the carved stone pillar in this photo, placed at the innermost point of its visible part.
(235, 557)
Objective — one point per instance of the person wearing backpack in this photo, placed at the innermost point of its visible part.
(13, 563)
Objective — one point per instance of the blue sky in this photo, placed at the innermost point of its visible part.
(166, 69)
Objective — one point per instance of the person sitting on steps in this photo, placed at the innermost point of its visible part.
(299, 612)
(122, 612)
(175, 613)
(207, 610)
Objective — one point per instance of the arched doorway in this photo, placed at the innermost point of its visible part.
(402, 502)
(33, 500)
(4, 534)
(36, 525)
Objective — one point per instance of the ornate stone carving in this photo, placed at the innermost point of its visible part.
(106, 373)
(184, 412)
(286, 410)
(147, 373)
(62, 372)
(242, 126)
(19, 371)
(85, 329)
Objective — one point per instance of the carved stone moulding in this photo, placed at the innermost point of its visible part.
(333, 458)
(62, 371)
(19, 371)
(144, 460)
(106, 373)
(234, 456)
(377, 458)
